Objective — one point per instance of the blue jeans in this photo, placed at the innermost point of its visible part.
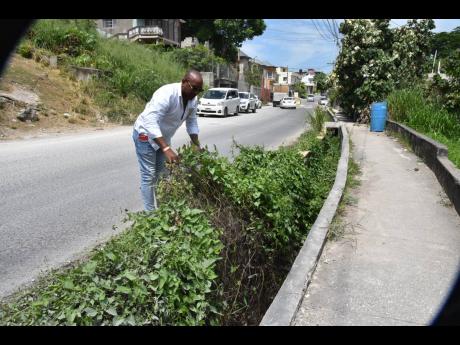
(151, 165)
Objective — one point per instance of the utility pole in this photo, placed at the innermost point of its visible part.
(434, 61)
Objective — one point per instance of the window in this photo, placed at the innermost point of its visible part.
(270, 75)
(108, 23)
(214, 94)
(151, 22)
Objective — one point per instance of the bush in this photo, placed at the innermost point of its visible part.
(158, 273)
(198, 57)
(63, 36)
(25, 49)
(317, 121)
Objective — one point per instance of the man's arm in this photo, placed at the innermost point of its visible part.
(171, 156)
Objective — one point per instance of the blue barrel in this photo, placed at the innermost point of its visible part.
(378, 116)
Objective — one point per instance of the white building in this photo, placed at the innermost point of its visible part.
(285, 77)
(308, 80)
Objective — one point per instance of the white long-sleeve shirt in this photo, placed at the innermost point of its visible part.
(165, 113)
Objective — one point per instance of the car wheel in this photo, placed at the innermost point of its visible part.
(254, 109)
(237, 109)
(225, 112)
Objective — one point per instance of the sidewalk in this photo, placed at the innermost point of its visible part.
(400, 252)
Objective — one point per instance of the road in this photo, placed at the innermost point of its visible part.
(61, 196)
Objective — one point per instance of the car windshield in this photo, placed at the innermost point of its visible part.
(214, 94)
(323, 97)
(288, 99)
(311, 96)
(244, 95)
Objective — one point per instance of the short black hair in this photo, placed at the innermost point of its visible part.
(192, 72)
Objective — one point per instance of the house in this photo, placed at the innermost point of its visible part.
(269, 77)
(166, 31)
(287, 78)
(308, 80)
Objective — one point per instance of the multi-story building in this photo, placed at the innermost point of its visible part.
(167, 31)
(308, 80)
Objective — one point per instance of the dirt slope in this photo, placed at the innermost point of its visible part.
(60, 103)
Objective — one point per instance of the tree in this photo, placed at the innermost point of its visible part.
(198, 57)
(224, 35)
(446, 42)
(253, 75)
(374, 59)
(320, 80)
(300, 88)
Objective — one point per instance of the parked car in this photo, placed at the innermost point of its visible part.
(288, 102)
(323, 101)
(311, 98)
(247, 102)
(258, 102)
(219, 101)
(278, 96)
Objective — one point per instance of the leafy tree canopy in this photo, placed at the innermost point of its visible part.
(225, 35)
(446, 43)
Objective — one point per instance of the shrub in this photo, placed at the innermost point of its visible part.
(317, 121)
(25, 49)
(63, 36)
(158, 273)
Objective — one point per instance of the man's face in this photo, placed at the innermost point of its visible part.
(191, 88)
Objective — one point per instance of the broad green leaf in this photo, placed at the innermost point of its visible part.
(90, 312)
(123, 289)
(112, 311)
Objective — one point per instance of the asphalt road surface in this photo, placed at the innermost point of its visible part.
(61, 196)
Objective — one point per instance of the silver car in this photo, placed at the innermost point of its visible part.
(247, 102)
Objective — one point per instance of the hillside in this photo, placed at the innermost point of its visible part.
(61, 103)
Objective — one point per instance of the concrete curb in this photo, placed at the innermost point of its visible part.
(287, 301)
(434, 155)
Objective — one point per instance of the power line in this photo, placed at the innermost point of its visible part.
(321, 33)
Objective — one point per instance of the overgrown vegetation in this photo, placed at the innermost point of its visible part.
(411, 107)
(131, 72)
(215, 252)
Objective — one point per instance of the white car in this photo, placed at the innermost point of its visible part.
(311, 98)
(288, 102)
(247, 102)
(323, 101)
(258, 102)
(219, 101)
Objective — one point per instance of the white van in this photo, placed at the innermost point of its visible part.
(219, 101)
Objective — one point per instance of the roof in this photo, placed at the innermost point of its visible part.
(243, 54)
(263, 63)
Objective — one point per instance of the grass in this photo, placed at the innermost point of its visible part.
(338, 225)
(410, 107)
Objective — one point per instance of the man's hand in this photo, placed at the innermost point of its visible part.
(197, 148)
(171, 156)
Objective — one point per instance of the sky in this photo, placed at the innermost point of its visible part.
(306, 43)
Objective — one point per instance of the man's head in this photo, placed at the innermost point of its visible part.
(192, 84)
